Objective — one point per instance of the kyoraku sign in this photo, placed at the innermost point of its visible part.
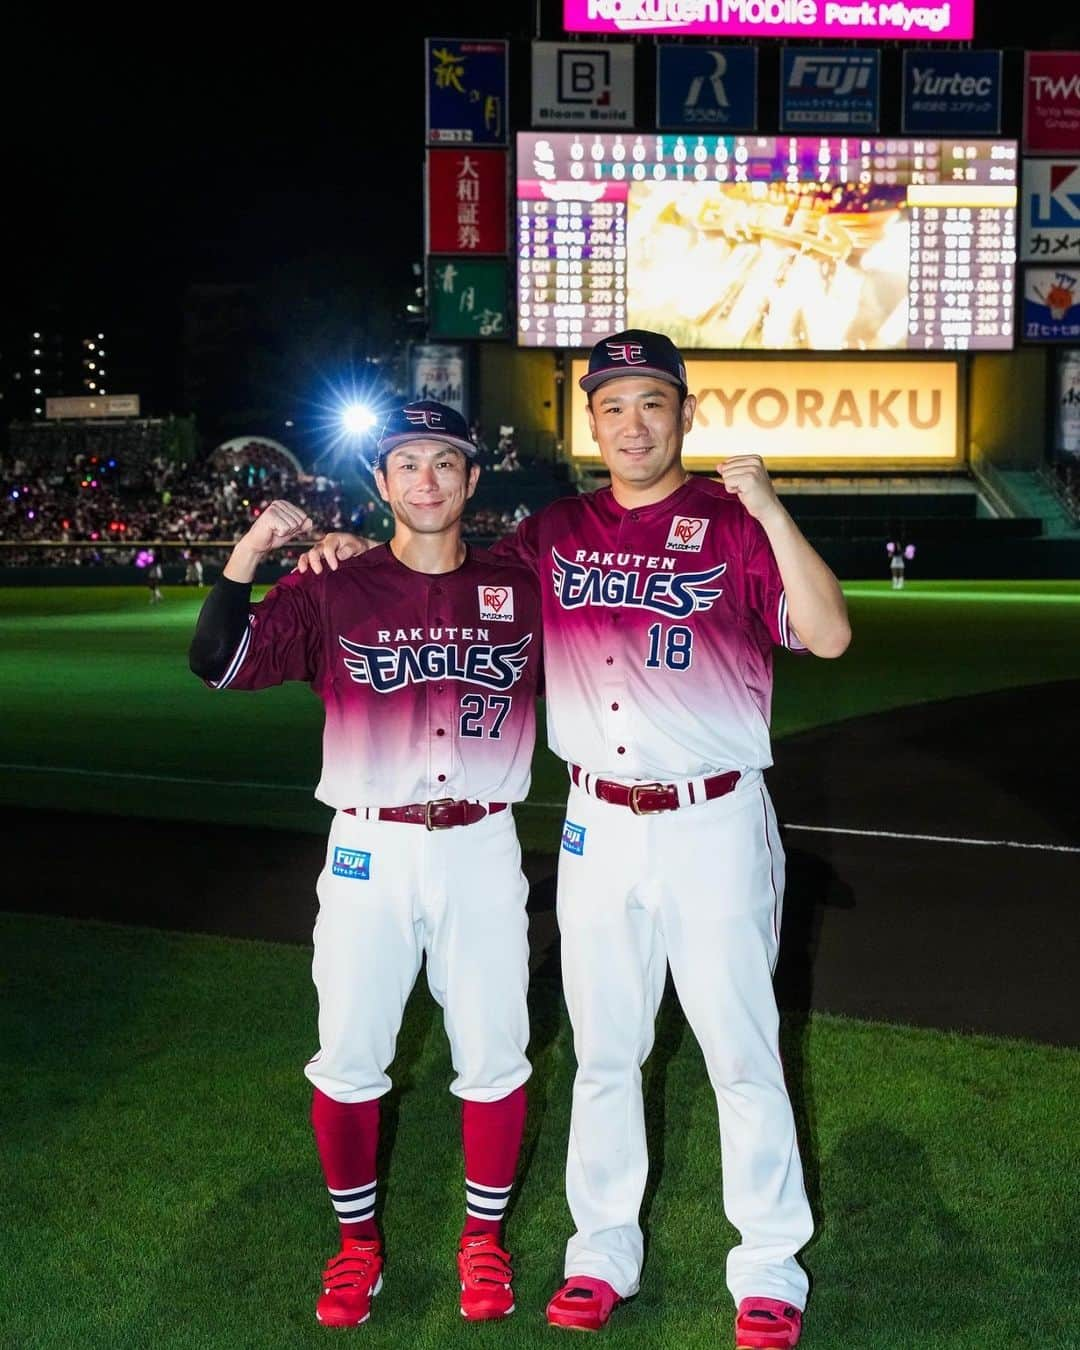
(821, 411)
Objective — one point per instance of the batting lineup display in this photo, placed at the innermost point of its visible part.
(767, 242)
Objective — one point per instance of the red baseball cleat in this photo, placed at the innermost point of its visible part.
(486, 1289)
(767, 1324)
(350, 1281)
(582, 1304)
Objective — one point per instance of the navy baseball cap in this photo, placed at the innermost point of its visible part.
(426, 420)
(634, 352)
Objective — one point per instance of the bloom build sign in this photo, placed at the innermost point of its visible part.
(952, 20)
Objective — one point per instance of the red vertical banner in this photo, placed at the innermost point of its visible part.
(466, 201)
(1051, 103)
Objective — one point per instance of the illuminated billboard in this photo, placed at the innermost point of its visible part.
(811, 413)
(952, 20)
(772, 243)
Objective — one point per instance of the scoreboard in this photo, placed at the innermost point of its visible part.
(767, 242)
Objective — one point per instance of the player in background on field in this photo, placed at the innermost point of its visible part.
(663, 598)
(899, 555)
(155, 575)
(426, 655)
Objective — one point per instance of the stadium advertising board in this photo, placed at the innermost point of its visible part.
(467, 298)
(1051, 304)
(810, 412)
(576, 85)
(1050, 211)
(948, 21)
(1067, 422)
(767, 243)
(105, 405)
(466, 201)
(706, 88)
(466, 91)
(828, 89)
(951, 92)
(438, 371)
(1051, 103)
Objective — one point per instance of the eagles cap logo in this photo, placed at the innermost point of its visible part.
(425, 420)
(635, 352)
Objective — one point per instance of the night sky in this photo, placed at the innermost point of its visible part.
(143, 159)
(139, 161)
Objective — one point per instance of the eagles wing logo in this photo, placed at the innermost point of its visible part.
(676, 594)
(388, 668)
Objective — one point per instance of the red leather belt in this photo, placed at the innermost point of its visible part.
(648, 799)
(443, 814)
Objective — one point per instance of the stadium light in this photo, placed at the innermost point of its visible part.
(357, 418)
(341, 416)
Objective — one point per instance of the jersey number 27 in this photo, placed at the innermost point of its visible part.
(483, 715)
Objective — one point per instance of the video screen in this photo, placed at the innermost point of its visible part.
(770, 243)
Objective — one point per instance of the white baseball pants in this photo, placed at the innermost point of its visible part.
(699, 888)
(391, 893)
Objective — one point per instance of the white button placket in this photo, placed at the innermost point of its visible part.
(614, 692)
(440, 699)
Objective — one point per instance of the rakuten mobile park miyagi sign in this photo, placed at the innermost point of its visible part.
(950, 21)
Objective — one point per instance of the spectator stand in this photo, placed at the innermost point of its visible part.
(86, 512)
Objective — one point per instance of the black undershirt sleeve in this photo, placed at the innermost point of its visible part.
(222, 621)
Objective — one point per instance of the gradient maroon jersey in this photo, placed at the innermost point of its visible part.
(429, 681)
(659, 624)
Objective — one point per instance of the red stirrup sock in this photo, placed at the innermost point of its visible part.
(491, 1136)
(347, 1137)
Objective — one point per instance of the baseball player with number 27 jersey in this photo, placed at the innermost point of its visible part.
(426, 657)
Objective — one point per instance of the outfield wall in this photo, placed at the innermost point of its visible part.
(1004, 403)
(851, 560)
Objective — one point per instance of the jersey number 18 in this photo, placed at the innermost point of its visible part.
(673, 648)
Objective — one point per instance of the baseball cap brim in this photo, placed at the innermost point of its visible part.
(622, 371)
(388, 443)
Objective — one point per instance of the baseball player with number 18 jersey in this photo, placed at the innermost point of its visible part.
(663, 599)
(426, 656)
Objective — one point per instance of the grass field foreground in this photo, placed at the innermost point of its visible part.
(102, 713)
(162, 1189)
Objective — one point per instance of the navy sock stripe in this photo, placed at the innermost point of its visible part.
(355, 1215)
(354, 1194)
(494, 1192)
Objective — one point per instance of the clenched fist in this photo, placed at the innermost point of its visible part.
(280, 523)
(747, 477)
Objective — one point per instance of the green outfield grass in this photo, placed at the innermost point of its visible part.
(102, 714)
(161, 1187)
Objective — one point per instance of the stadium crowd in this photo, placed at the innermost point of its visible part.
(92, 500)
(115, 505)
